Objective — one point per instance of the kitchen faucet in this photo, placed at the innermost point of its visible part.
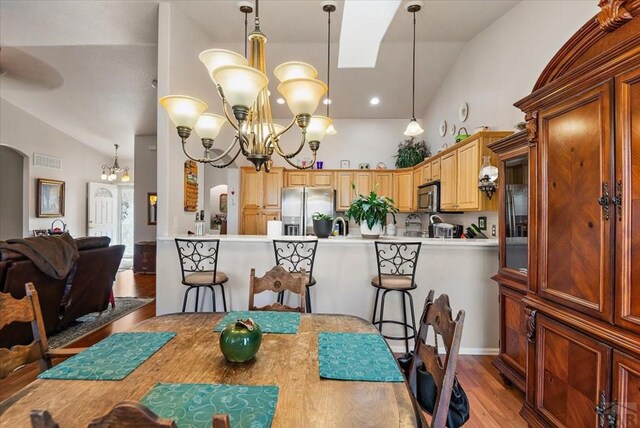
(344, 227)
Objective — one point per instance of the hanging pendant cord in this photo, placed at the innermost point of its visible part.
(257, 20)
(246, 35)
(413, 89)
(328, 62)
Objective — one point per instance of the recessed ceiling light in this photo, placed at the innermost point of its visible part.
(326, 101)
(280, 100)
(374, 101)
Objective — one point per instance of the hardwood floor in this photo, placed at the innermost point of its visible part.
(492, 403)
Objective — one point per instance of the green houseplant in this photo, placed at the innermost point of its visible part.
(411, 152)
(322, 224)
(370, 212)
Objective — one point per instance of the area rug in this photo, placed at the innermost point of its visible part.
(90, 322)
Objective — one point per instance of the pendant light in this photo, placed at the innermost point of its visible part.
(329, 6)
(414, 129)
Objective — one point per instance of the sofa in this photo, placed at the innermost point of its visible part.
(86, 288)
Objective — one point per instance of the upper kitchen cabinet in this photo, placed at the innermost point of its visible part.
(297, 178)
(321, 178)
(435, 170)
(426, 173)
(403, 190)
(383, 183)
(344, 192)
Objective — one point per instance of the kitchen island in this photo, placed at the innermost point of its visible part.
(343, 270)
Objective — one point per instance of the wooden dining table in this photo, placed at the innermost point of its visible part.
(289, 361)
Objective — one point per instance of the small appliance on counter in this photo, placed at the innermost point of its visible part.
(439, 229)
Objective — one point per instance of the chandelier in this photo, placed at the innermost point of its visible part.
(110, 173)
(242, 86)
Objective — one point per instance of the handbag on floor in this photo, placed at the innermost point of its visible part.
(427, 393)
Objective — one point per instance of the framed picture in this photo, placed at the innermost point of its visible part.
(482, 223)
(223, 203)
(345, 164)
(152, 208)
(50, 202)
(40, 232)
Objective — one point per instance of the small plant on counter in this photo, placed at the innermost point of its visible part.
(370, 212)
(320, 216)
(322, 224)
(411, 153)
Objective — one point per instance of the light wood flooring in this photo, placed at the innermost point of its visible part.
(492, 403)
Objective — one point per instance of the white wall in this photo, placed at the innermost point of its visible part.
(80, 164)
(11, 190)
(146, 166)
(501, 65)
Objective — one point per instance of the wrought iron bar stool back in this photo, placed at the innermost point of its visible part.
(295, 256)
(199, 266)
(397, 263)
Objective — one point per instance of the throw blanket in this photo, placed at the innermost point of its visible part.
(53, 255)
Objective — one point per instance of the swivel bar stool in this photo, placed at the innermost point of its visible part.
(295, 255)
(397, 262)
(199, 265)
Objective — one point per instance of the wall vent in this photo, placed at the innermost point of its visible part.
(46, 161)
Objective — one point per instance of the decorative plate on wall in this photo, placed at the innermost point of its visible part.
(443, 128)
(452, 129)
(463, 112)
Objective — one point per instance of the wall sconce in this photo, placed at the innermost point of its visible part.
(488, 177)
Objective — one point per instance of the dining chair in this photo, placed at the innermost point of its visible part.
(124, 414)
(437, 317)
(28, 310)
(278, 279)
(199, 267)
(397, 262)
(296, 255)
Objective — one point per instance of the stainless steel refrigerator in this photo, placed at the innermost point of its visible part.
(300, 203)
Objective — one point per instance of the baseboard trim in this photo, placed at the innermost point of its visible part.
(463, 351)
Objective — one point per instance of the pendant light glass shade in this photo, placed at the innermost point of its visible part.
(208, 125)
(331, 130)
(125, 177)
(317, 128)
(295, 70)
(214, 58)
(183, 111)
(413, 129)
(303, 94)
(240, 84)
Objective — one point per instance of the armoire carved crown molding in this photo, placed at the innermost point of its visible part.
(613, 14)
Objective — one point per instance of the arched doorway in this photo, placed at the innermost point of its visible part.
(13, 221)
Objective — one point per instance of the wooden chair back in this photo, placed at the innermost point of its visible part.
(124, 414)
(437, 316)
(26, 309)
(278, 279)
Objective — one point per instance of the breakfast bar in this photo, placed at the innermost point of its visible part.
(343, 270)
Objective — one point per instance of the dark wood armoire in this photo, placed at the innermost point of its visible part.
(582, 303)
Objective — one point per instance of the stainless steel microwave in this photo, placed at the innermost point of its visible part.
(429, 198)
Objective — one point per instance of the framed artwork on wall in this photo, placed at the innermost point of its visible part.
(40, 232)
(152, 209)
(223, 203)
(50, 194)
(345, 164)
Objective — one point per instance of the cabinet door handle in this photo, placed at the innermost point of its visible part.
(604, 200)
(617, 201)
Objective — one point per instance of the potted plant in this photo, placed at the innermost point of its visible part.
(411, 153)
(370, 212)
(322, 224)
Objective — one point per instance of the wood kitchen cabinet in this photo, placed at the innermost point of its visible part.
(448, 184)
(417, 181)
(467, 177)
(383, 183)
(426, 173)
(344, 193)
(583, 300)
(403, 190)
(435, 169)
(297, 178)
(260, 193)
(321, 179)
(313, 178)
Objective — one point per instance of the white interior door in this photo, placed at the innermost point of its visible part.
(103, 210)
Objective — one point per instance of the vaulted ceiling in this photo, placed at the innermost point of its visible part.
(85, 67)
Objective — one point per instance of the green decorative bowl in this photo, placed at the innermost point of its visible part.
(240, 341)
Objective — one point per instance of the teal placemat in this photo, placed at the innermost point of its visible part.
(110, 359)
(269, 321)
(193, 405)
(356, 356)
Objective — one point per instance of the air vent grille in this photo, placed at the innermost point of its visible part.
(46, 161)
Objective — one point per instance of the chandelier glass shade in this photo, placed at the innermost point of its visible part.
(110, 173)
(243, 88)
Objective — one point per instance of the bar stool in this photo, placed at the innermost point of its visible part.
(397, 262)
(199, 265)
(295, 255)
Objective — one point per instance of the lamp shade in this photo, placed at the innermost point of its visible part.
(214, 58)
(183, 111)
(240, 84)
(331, 130)
(209, 125)
(413, 129)
(294, 70)
(317, 128)
(302, 94)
